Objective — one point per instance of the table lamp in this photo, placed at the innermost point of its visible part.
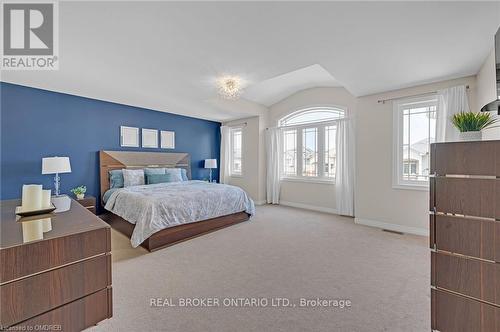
(211, 164)
(57, 165)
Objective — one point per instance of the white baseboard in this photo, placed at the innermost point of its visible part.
(309, 207)
(260, 202)
(392, 227)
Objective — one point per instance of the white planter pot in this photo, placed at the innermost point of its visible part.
(80, 196)
(470, 136)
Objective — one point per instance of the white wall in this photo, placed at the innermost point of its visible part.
(253, 175)
(487, 91)
(317, 196)
(486, 82)
(377, 203)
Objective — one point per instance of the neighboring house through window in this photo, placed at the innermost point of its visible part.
(236, 143)
(309, 143)
(414, 130)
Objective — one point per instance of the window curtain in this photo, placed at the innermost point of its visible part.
(450, 101)
(344, 177)
(224, 154)
(273, 144)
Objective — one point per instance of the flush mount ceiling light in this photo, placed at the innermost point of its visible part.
(229, 87)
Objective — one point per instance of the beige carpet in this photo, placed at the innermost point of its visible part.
(281, 252)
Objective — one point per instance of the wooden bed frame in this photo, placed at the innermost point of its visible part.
(110, 160)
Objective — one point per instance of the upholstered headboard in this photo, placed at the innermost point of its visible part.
(110, 160)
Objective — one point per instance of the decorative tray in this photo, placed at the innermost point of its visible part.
(21, 213)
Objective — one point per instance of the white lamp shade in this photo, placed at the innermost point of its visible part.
(210, 163)
(52, 165)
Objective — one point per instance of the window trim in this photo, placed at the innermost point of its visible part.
(397, 129)
(320, 125)
(309, 109)
(231, 149)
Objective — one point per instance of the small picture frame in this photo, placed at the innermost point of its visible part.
(149, 138)
(167, 139)
(129, 137)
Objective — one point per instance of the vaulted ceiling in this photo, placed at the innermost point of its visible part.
(166, 55)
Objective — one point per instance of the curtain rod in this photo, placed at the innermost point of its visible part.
(382, 101)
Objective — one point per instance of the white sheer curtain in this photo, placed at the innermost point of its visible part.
(450, 101)
(224, 154)
(273, 146)
(344, 177)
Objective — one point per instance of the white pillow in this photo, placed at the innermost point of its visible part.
(133, 177)
(175, 174)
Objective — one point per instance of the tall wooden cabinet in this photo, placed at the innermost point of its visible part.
(465, 236)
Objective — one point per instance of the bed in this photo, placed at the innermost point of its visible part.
(158, 215)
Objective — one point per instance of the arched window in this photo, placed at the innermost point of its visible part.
(312, 115)
(309, 143)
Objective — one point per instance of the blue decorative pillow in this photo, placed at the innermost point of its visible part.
(149, 171)
(157, 178)
(184, 174)
(116, 178)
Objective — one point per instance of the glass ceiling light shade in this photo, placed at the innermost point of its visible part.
(229, 87)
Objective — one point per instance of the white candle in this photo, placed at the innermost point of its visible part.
(46, 225)
(46, 198)
(32, 197)
(32, 230)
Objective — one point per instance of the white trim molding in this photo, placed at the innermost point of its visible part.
(260, 202)
(392, 227)
(309, 207)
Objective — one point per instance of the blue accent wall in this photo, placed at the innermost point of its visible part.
(37, 123)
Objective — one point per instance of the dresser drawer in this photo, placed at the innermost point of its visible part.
(478, 238)
(454, 313)
(471, 277)
(21, 261)
(467, 196)
(74, 316)
(470, 158)
(28, 297)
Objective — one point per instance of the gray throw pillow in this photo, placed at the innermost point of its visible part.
(133, 177)
(175, 174)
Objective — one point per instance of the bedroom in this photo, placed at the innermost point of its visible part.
(196, 135)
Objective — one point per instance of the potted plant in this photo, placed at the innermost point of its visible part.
(470, 124)
(79, 192)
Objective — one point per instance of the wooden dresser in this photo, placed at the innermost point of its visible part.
(61, 281)
(465, 236)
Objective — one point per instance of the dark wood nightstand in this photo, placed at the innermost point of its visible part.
(89, 203)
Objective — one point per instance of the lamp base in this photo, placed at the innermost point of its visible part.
(61, 202)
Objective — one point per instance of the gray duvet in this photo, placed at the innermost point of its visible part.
(158, 206)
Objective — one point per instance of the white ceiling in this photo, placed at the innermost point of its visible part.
(271, 91)
(165, 55)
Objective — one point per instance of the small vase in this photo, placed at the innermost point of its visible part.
(80, 196)
(470, 136)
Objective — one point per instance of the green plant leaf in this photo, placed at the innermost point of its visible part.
(470, 121)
